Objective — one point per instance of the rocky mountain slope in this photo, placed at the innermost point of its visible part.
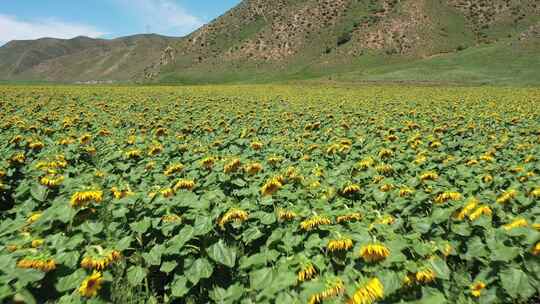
(80, 58)
(266, 40)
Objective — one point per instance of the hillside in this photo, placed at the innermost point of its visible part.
(354, 40)
(464, 41)
(80, 58)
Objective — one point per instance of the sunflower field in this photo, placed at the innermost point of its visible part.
(269, 194)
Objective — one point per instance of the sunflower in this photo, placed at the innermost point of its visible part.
(171, 218)
(37, 145)
(405, 191)
(507, 196)
(487, 178)
(341, 244)
(234, 214)
(274, 160)
(184, 184)
(314, 222)
(429, 176)
(386, 187)
(374, 252)
(172, 169)
(232, 166)
(425, 276)
(385, 153)
(37, 243)
(351, 217)
(101, 260)
(536, 193)
(286, 215)
(520, 222)
(447, 196)
(383, 220)
(134, 154)
(476, 289)
(91, 285)
(332, 289)
(351, 189)
(167, 192)
(365, 163)
(82, 198)
(482, 210)
(368, 293)
(33, 217)
(385, 169)
(253, 168)
(271, 186)
(536, 249)
(469, 206)
(17, 158)
(41, 264)
(119, 194)
(85, 139)
(307, 272)
(256, 145)
(155, 149)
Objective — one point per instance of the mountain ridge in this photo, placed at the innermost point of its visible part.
(350, 40)
(80, 58)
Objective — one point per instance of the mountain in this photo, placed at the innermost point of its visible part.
(80, 58)
(471, 41)
(351, 40)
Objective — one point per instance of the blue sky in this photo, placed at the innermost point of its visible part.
(31, 19)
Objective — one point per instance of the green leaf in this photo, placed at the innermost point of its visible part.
(123, 243)
(71, 281)
(203, 225)
(200, 269)
(504, 253)
(431, 296)
(64, 213)
(261, 278)
(391, 281)
(251, 234)
(120, 212)
(141, 226)
(175, 244)
(440, 268)
(70, 259)
(92, 228)
(168, 266)
(135, 275)
(516, 283)
(222, 254)
(39, 192)
(179, 287)
(154, 256)
(28, 275)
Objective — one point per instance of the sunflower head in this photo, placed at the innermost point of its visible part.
(476, 288)
(340, 244)
(271, 186)
(237, 215)
(314, 222)
(370, 292)
(425, 276)
(91, 285)
(374, 252)
(306, 273)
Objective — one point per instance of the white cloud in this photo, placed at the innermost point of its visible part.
(163, 16)
(12, 28)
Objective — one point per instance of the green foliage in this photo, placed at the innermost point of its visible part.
(264, 194)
